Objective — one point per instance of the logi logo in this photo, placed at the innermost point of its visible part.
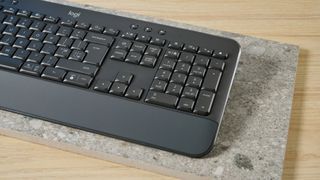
(74, 14)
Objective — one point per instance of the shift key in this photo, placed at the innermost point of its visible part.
(78, 67)
(95, 54)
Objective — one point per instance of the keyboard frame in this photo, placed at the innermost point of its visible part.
(135, 121)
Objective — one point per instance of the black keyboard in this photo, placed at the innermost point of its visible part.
(147, 83)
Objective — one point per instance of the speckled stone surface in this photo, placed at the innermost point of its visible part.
(253, 134)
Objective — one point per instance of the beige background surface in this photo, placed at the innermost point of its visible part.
(296, 22)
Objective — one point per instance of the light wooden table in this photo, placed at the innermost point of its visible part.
(292, 21)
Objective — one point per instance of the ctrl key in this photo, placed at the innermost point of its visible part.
(78, 79)
(162, 99)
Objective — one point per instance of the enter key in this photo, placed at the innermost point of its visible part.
(95, 54)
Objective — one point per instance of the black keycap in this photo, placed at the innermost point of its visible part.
(10, 10)
(205, 51)
(32, 68)
(190, 92)
(37, 26)
(24, 33)
(78, 67)
(186, 58)
(51, 39)
(220, 55)
(190, 48)
(186, 104)
(49, 60)
(35, 57)
(149, 61)
(217, 64)
(124, 77)
(9, 63)
(124, 44)
(99, 39)
(111, 31)
(138, 47)
(102, 86)
(143, 38)
(82, 25)
(48, 49)
(163, 75)
(211, 80)
(51, 28)
(175, 45)
(63, 52)
(37, 36)
(21, 43)
(23, 13)
(65, 42)
(172, 54)
(158, 85)
(204, 103)
(77, 55)
(162, 99)
(95, 54)
(118, 54)
(7, 40)
(194, 81)
(53, 74)
(79, 45)
(129, 35)
(51, 19)
(64, 31)
(153, 51)
(96, 28)
(182, 68)
(201, 61)
(157, 41)
(24, 23)
(134, 93)
(78, 79)
(68, 22)
(133, 57)
(11, 20)
(2, 17)
(174, 89)
(34, 46)
(11, 30)
(167, 64)
(37, 16)
(178, 78)
(198, 71)
(7, 51)
(78, 34)
(21, 54)
(118, 88)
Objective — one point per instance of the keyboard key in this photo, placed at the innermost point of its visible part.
(178, 78)
(78, 79)
(11, 30)
(174, 89)
(51, 39)
(172, 54)
(9, 63)
(48, 49)
(186, 104)
(129, 35)
(186, 58)
(138, 47)
(217, 64)
(124, 77)
(134, 93)
(37, 26)
(78, 34)
(53, 74)
(190, 48)
(37, 16)
(118, 54)
(153, 51)
(24, 23)
(63, 52)
(190, 92)
(77, 67)
(111, 31)
(118, 88)
(83, 25)
(182, 68)
(124, 44)
(68, 22)
(77, 55)
(157, 41)
(64, 31)
(51, 19)
(34, 46)
(79, 45)
(21, 54)
(102, 86)
(24, 13)
(24, 33)
(198, 71)
(167, 64)
(96, 28)
(65, 42)
(7, 40)
(220, 55)
(205, 51)
(21, 43)
(11, 20)
(143, 38)
(10, 10)
(211, 80)
(204, 103)
(163, 75)
(201, 61)
(162, 99)
(51, 28)
(32, 68)
(133, 57)
(99, 39)
(7, 51)
(37, 36)
(149, 61)
(35, 57)
(176, 45)
(158, 85)
(194, 81)
(49, 60)
(95, 54)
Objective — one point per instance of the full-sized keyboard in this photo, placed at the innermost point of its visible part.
(147, 83)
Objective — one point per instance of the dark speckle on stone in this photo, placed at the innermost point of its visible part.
(154, 158)
(243, 162)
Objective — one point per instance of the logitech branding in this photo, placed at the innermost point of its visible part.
(74, 14)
